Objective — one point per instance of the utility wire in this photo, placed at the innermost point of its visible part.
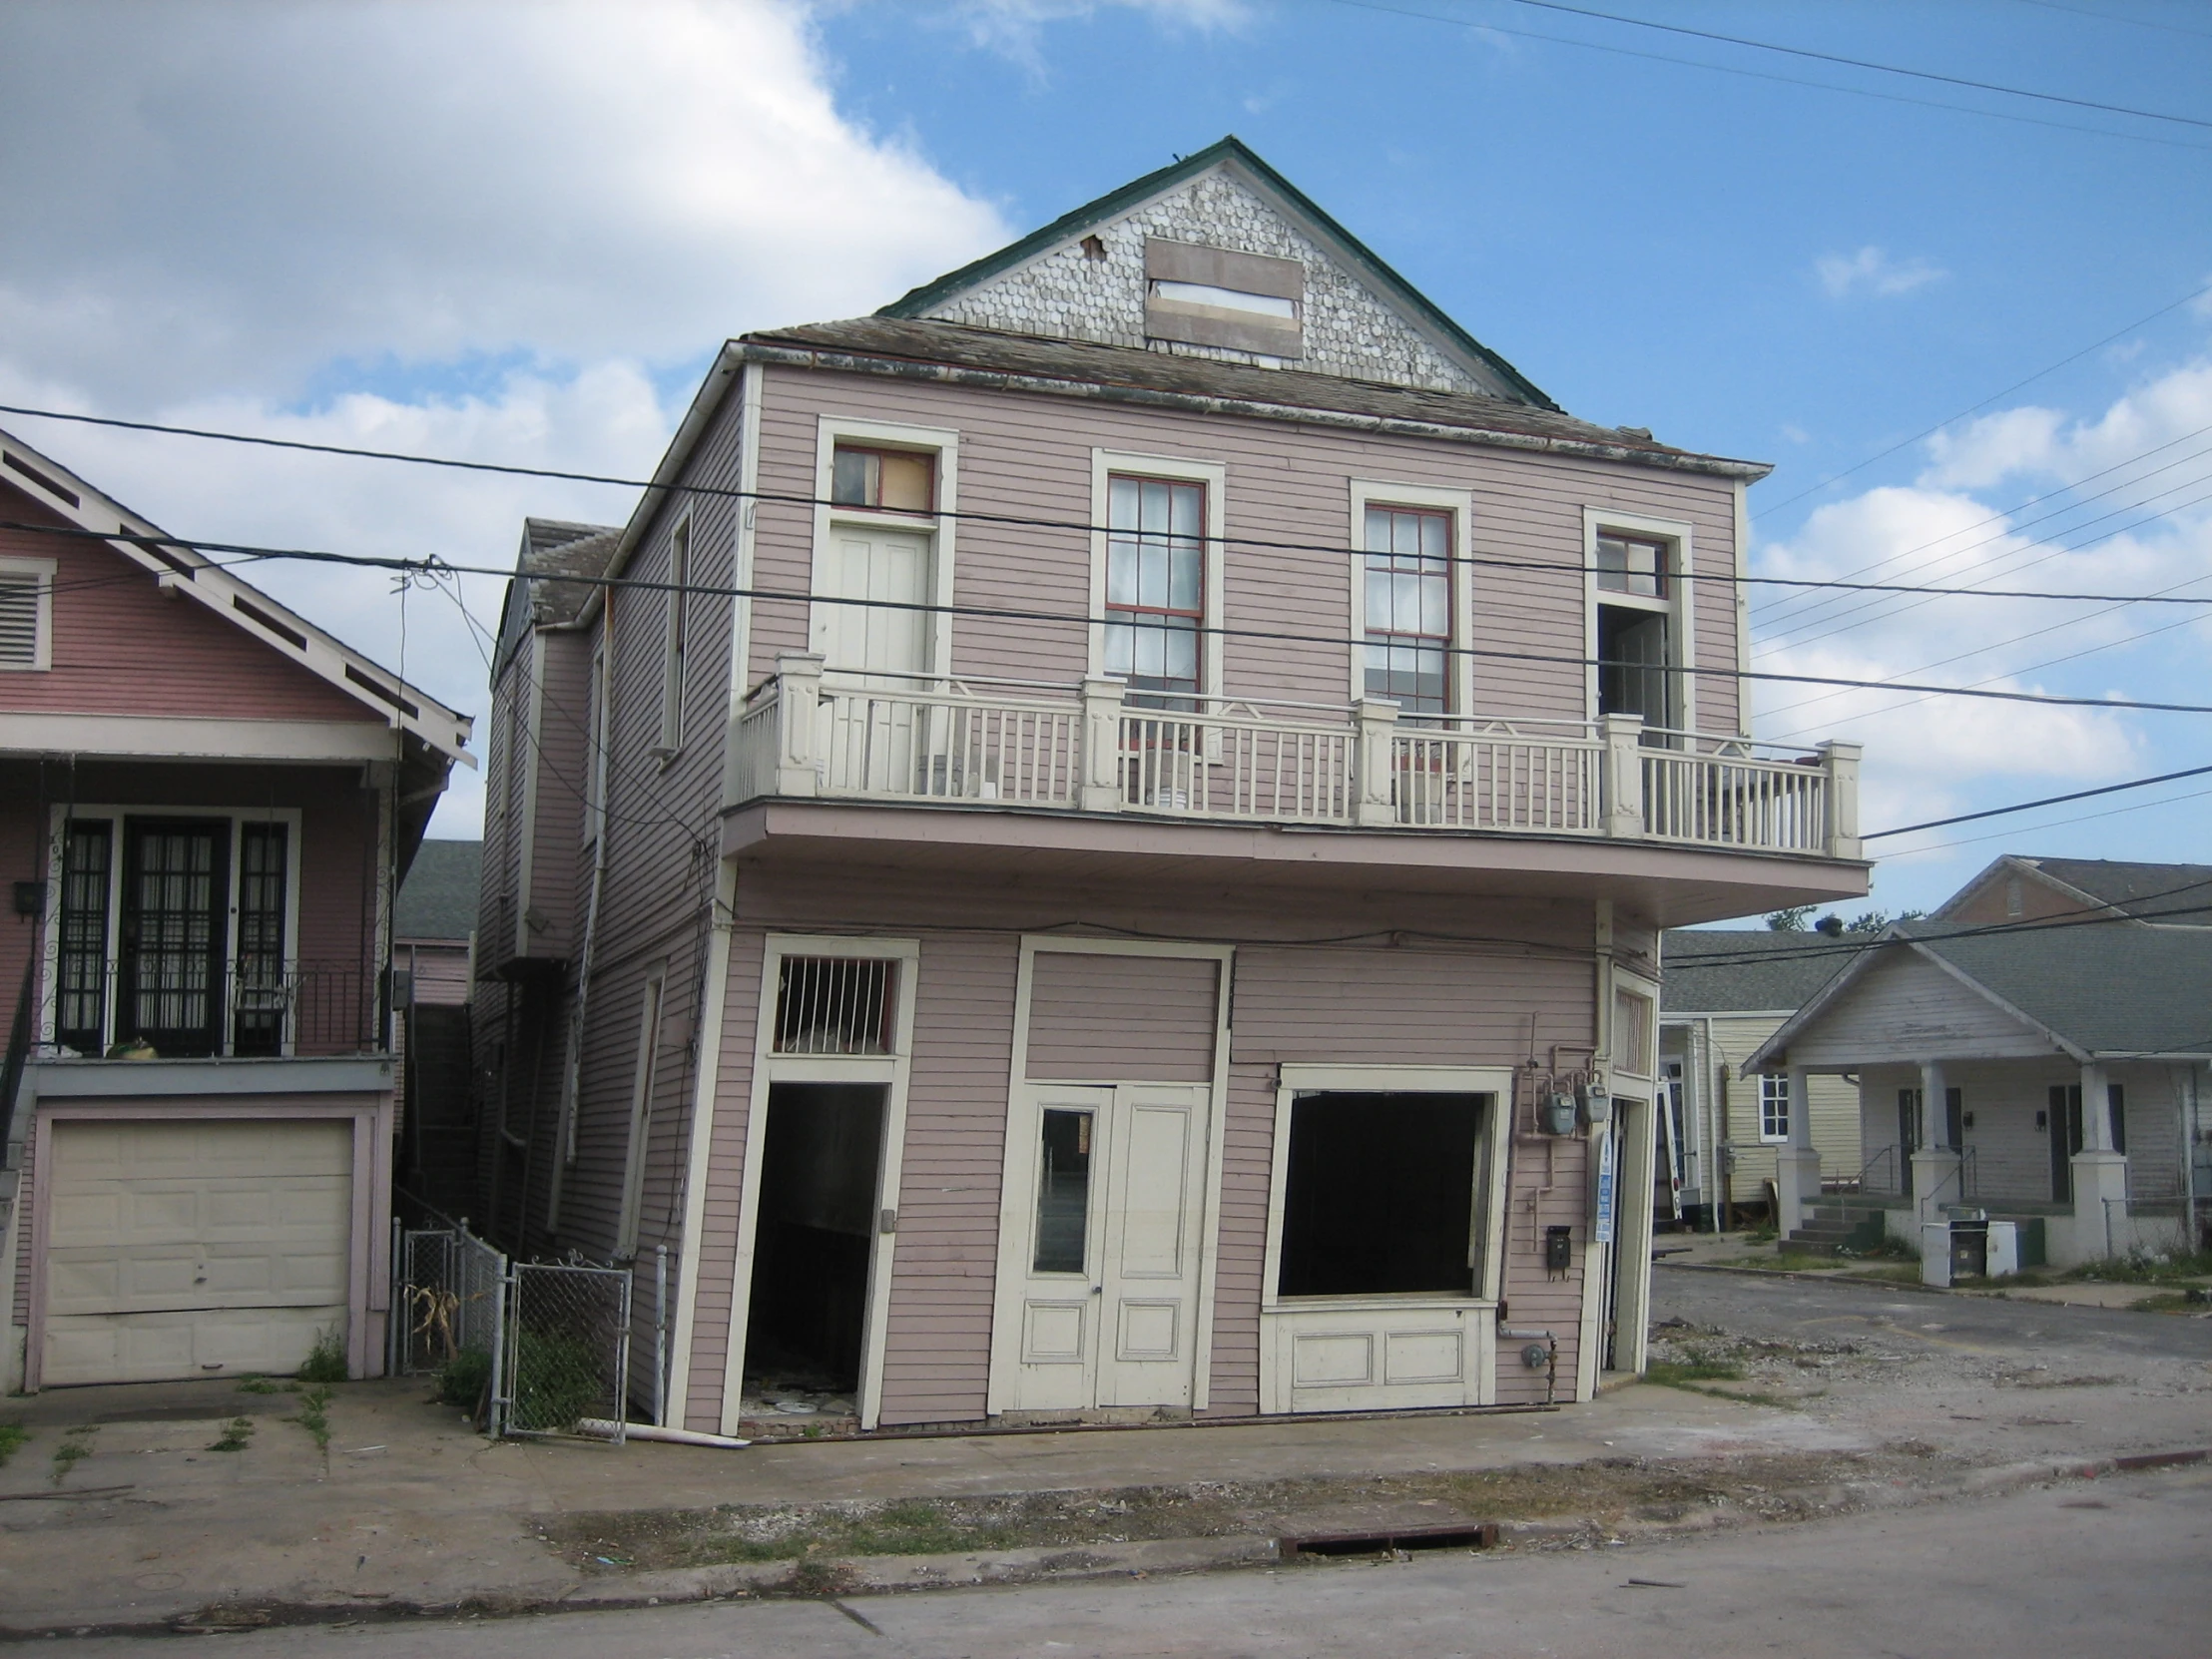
(1739, 69)
(999, 613)
(1972, 408)
(1863, 63)
(2047, 800)
(1020, 521)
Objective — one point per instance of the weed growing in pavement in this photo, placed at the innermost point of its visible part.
(12, 1434)
(2144, 1268)
(313, 1416)
(1697, 1367)
(234, 1435)
(75, 1448)
(2188, 1301)
(326, 1362)
(259, 1386)
(461, 1380)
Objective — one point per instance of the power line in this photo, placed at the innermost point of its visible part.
(1768, 75)
(1863, 63)
(2115, 17)
(1971, 408)
(2047, 800)
(1010, 614)
(2060, 823)
(1024, 522)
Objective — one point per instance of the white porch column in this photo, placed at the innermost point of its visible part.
(1934, 1162)
(1373, 764)
(2099, 1173)
(1842, 763)
(1797, 1166)
(797, 708)
(1102, 780)
(1623, 777)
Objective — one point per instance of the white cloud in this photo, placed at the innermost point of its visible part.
(230, 195)
(2163, 416)
(1015, 28)
(1871, 270)
(513, 220)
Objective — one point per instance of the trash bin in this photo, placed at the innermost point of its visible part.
(1969, 1249)
(1935, 1254)
(2003, 1259)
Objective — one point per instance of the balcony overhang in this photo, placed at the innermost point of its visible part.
(1673, 885)
(98, 1079)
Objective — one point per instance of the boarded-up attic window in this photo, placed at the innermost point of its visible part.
(1632, 1032)
(834, 1005)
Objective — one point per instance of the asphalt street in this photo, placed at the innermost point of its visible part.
(2078, 1568)
(1787, 1310)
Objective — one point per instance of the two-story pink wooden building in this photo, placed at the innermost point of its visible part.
(206, 803)
(1095, 847)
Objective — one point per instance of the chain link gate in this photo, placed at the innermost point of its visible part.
(567, 1351)
(452, 1290)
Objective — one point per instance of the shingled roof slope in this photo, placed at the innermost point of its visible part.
(2107, 988)
(1137, 370)
(1752, 971)
(437, 901)
(2177, 892)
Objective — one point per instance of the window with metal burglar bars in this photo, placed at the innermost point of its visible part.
(261, 996)
(834, 1005)
(80, 1015)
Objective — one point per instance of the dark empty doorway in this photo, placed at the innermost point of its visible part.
(817, 1216)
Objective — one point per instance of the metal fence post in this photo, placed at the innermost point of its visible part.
(495, 1413)
(660, 1336)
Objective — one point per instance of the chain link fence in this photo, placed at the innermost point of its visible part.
(531, 1348)
(567, 1363)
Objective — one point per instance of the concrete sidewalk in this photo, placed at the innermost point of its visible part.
(409, 1507)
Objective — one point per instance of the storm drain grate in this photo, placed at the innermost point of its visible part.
(1452, 1535)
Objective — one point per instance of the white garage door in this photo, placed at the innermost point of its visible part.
(188, 1248)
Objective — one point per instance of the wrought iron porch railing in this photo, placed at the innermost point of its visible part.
(189, 1006)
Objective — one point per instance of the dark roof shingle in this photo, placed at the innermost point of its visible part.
(1752, 971)
(2107, 988)
(2177, 892)
(437, 901)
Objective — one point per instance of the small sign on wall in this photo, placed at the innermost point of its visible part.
(1603, 1172)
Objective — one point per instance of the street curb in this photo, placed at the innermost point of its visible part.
(1837, 1278)
(828, 1579)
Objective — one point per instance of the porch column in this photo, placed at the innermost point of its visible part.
(1102, 786)
(2099, 1175)
(1935, 1163)
(1797, 1166)
(1373, 763)
(797, 706)
(1622, 780)
(1840, 761)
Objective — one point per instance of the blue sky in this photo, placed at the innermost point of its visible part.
(517, 231)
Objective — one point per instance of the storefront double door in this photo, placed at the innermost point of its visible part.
(1100, 1309)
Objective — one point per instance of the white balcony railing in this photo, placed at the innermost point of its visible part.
(1096, 751)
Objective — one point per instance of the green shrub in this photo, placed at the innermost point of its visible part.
(12, 1434)
(552, 1381)
(462, 1378)
(326, 1362)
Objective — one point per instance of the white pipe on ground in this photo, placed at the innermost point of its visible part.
(608, 1428)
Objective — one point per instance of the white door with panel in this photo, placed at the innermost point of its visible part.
(869, 743)
(188, 1248)
(1106, 1305)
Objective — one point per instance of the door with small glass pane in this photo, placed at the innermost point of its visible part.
(880, 645)
(175, 913)
(1107, 1310)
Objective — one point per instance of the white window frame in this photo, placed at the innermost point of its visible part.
(1106, 465)
(676, 639)
(42, 630)
(1640, 1066)
(1459, 667)
(595, 745)
(637, 1144)
(50, 928)
(1774, 1086)
(1679, 605)
(769, 1068)
(939, 526)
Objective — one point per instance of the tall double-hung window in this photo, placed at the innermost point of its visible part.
(1155, 585)
(1409, 608)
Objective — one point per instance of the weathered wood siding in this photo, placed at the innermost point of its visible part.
(123, 647)
(1475, 1004)
(1029, 456)
(1904, 1005)
(1122, 1019)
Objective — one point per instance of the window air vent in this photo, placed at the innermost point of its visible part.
(19, 607)
(834, 1005)
(377, 689)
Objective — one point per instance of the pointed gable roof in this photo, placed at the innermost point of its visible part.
(269, 622)
(1483, 370)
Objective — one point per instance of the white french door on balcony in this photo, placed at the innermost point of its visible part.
(869, 744)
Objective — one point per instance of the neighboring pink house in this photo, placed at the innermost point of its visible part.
(1141, 910)
(207, 804)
